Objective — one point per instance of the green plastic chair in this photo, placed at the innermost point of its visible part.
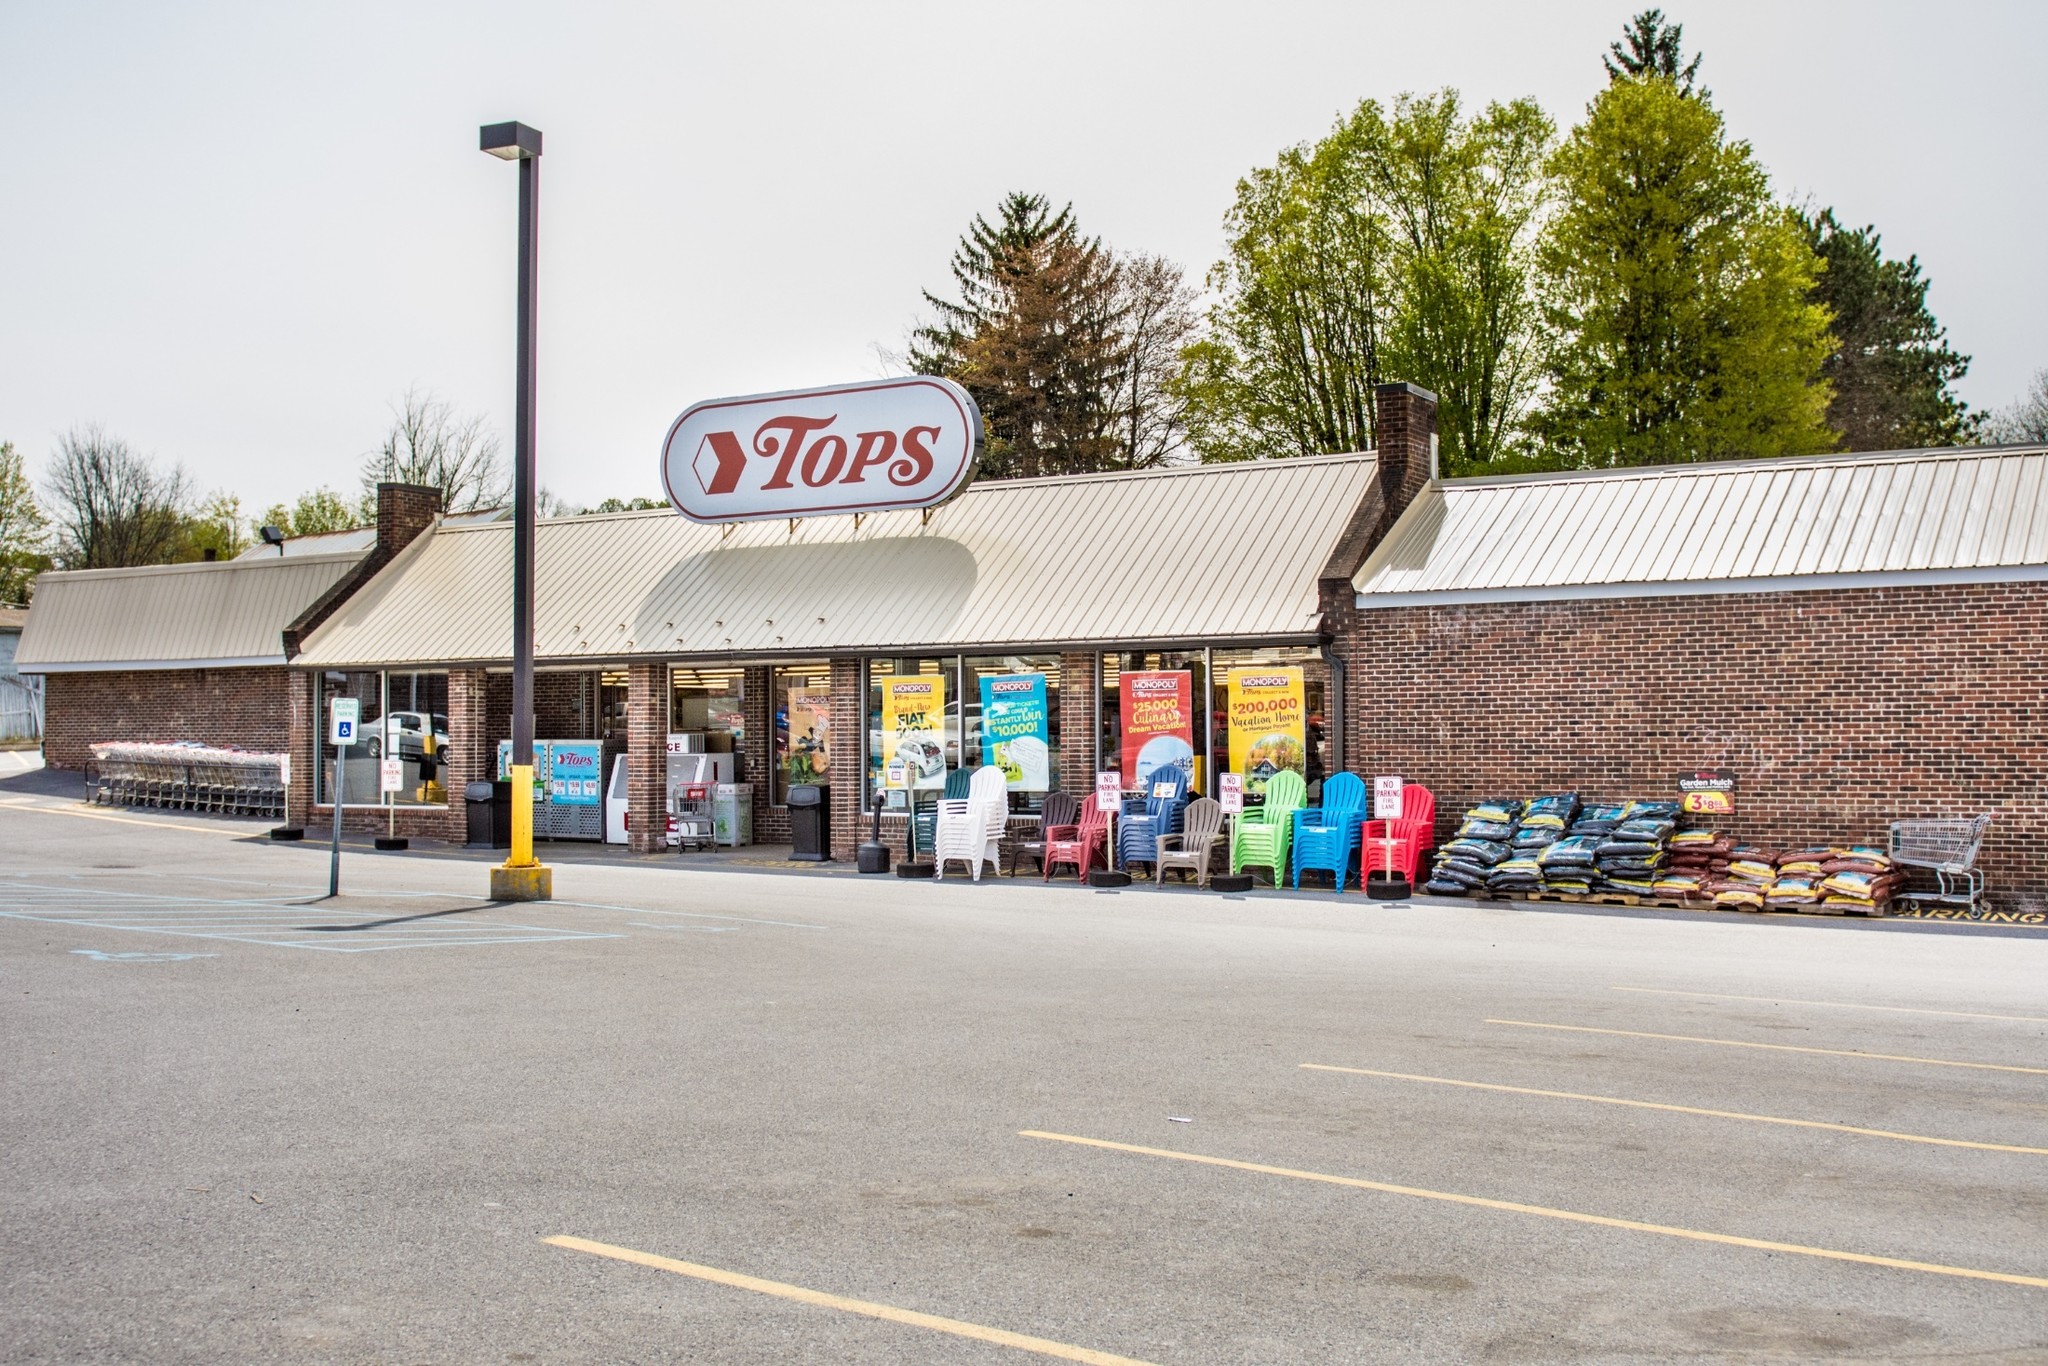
(1262, 835)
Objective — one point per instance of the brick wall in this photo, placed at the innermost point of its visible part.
(1839, 711)
(850, 823)
(647, 687)
(1077, 723)
(246, 708)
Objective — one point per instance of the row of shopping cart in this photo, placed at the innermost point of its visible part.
(187, 778)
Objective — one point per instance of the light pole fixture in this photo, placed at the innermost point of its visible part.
(522, 877)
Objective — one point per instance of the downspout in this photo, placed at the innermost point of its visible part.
(1335, 660)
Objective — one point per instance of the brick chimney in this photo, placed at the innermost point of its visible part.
(1407, 447)
(403, 512)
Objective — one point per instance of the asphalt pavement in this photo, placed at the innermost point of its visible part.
(773, 1118)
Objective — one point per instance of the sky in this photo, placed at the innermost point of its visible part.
(235, 234)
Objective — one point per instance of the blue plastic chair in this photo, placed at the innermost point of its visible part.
(1145, 819)
(1326, 836)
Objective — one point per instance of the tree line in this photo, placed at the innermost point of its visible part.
(1630, 292)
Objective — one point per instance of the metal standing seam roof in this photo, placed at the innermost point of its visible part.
(1969, 514)
(173, 616)
(1208, 552)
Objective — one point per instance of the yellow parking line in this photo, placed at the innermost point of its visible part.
(18, 804)
(1779, 1047)
(887, 1312)
(1683, 1109)
(1569, 1216)
(1837, 1005)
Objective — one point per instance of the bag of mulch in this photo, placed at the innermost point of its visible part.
(1498, 809)
(1487, 852)
(1496, 831)
(1862, 853)
(1571, 886)
(1631, 886)
(1740, 896)
(1600, 819)
(1854, 865)
(1632, 867)
(1463, 874)
(1522, 873)
(1659, 810)
(1438, 887)
(1460, 866)
(1854, 884)
(1680, 884)
(1572, 849)
(1555, 811)
(1752, 870)
(1534, 837)
(1655, 829)
(1616, 847)
(1793, 891)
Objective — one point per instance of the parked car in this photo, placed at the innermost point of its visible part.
(408, 732)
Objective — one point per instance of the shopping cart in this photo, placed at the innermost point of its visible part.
(690, 817)
(1947, 848)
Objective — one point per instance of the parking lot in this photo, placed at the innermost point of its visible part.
(744, 1116)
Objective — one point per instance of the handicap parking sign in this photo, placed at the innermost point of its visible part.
(344, 713)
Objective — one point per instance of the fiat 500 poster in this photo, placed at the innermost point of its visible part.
(1158, 713)
(1015, 736)
(914, 727)
(1268, 724)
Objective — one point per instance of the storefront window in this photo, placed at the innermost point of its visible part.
(414, 732)
(404, 717)
(803, 727)
(359, 769)
(1161, 714)
(707, 707)
(1314, 725)
(930, 753)
(1026, 691)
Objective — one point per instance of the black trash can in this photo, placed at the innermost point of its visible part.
(810, 822)
(489, 809)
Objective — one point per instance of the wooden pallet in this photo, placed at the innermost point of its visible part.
(1658, 903)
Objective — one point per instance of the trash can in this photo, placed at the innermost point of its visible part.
(810, 822)
(489, 809)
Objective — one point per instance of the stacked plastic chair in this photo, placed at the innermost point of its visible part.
(1326, 837)
(1264, 833)
(1415, 833)
(927, 817)
(1079, 844)
(1159, 811)
(971, 830)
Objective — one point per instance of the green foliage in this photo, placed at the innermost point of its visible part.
(24, 530)
(1035, 337)
(628, 505)
(1650, 46)
(1892, 367)
(314, 514)
(217, 526)
(1398, 247)
(1680, 294)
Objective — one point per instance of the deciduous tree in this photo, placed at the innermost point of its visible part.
(316, 513)
(428, 443)
(112, 507)
(2026, 421)
(24, 530)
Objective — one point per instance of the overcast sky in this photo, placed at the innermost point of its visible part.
(235, 233)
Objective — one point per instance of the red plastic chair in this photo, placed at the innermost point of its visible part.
(1079, 844)
(1415, 831)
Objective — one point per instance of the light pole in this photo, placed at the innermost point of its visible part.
(522, 877)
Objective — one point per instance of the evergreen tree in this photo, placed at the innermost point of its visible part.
(1650, 46)
(1036, 337)
(1893, 366)
(1681, 294)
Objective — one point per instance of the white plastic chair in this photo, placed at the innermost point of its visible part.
(972, 830)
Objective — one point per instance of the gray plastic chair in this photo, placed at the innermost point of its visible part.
(1201, 834)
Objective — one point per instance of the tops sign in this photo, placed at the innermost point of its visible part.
(893, 443)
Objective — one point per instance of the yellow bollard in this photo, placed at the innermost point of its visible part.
(520, 877)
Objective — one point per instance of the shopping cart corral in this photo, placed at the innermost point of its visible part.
(187, 777)
(1948, 848)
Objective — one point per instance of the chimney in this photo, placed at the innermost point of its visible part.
(1406, 425)
(403, 512)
